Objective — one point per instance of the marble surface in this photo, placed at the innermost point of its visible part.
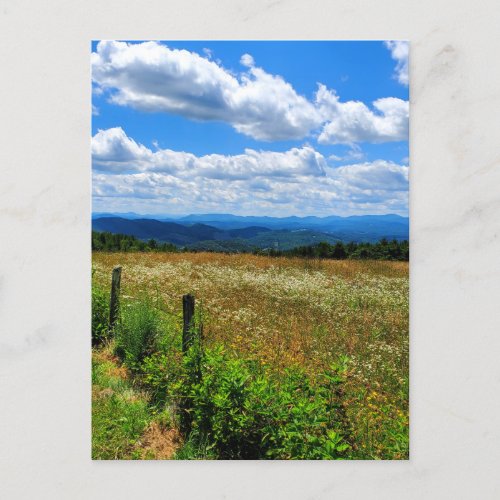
(45, 255)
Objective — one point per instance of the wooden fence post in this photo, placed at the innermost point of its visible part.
(188, 316)
(114, 302)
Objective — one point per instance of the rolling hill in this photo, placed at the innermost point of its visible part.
(356, 227)
(172, 232)
(226, 231)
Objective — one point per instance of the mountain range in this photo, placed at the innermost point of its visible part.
(234, 232)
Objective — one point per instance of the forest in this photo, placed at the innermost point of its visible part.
(382, 250)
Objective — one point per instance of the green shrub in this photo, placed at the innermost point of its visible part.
(137, 331)
(237, 409)
(159, 371)
(164, 366)
(100, 315)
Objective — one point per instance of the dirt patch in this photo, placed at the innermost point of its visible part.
(159, 443)
(114, 367)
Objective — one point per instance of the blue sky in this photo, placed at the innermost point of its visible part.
(283, 128)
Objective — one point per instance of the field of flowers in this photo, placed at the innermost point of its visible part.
(286, 312)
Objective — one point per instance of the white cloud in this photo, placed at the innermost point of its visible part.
(352, 121)
(355, 153)
(399, 52)
(375, 175)
(152, 77)
(114, 151)
(247, 60)
(335, 158)
(129, 176)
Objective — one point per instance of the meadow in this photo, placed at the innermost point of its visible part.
(298, 358)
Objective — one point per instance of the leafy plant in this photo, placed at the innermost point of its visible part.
(100, 315)
(137, 331)
(159, 371)
(238, 409)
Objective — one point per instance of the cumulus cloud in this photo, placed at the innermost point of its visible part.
(399, 52)
(355, 153)
(114, 151)
(129, 176)
(375, 175)
(153, 77)
(352, 121)
(247, 60)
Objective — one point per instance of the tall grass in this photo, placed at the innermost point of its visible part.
(120, 413)
(100, 314)
(273, 330)
(138, 331)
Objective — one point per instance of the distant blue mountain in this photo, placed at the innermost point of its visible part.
(256, 230)
(131, 215)
(164, 231)
(353, 228)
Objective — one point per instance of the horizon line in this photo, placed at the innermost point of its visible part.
(174, 216)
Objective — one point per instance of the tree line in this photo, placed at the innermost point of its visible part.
(114, 242)
(381, 250)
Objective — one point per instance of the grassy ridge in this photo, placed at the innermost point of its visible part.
(310, 356)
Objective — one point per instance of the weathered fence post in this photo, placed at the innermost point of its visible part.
(114, 302)
(188, 316)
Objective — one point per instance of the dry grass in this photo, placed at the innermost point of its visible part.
(158, 442)
(113, 367)
(280, 310)
(124, 424)
(286, 311)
